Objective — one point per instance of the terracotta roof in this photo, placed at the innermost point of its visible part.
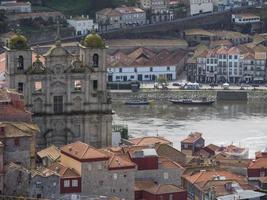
(217, 43)
(201, 177)
(145, 57)
(10, 112)
(249, 56)
(258, 163)
(120, 161)
(109, 12)
(229, 34)
(63, 171)
(129, 10)
(193, 137)
(83, 152)
(212, 147)
(18, 129)
(166, 163)
(52, 152)
(193, 32)
(149, 140)
(165, 150)
(233, 149)
(234, 50)
(164, 189)
(144, 184)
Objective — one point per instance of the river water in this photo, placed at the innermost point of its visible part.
(241, 123)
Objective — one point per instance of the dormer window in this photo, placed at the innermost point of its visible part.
(95, 60)
(20, 63)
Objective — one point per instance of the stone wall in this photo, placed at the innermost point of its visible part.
(252, 95)
(161, 176)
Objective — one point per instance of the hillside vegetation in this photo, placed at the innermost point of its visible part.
(79, 7)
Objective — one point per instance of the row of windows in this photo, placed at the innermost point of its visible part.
(20, 61)
(70, 183)
(150, 69)
(38, 86)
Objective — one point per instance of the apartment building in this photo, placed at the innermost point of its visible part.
(120, 17)
(158, 10)
(234, 65)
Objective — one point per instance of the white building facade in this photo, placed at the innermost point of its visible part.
(231, 65)
(16, 7)
(141, 73)
(245, 18)
(200, 6)
(82, 25)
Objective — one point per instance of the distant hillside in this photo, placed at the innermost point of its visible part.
(79, 7)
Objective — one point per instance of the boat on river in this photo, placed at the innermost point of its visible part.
(192, 101)
(137, 102)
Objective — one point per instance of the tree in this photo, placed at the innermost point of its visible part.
(162, 81)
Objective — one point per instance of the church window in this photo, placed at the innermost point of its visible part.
(20, 87)
(95, 84)
(58, 104)
(77, 85)
(20, 63)
(95, 60)
(38, 86)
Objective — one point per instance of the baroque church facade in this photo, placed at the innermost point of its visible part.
(66, 93)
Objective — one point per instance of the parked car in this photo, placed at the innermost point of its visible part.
(176, 84)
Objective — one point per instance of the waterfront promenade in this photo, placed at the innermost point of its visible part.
(152, 94)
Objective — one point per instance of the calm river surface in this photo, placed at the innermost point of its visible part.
(241, 123)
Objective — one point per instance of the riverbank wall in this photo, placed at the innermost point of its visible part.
(161, 95)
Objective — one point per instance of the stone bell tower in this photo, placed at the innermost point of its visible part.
(18, 60)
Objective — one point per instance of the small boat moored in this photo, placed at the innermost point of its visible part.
(137, 102)
(193, 102)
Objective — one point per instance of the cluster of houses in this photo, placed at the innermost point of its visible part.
(139, 168)
(232, 58)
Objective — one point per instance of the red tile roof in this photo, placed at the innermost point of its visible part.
(83, 152)
(233, 149)
(201, 177)
(164, 189)
(258, 163)
(166, 163)
(149, 140)
(145, 57)
(63, 171)
(120, 161)
(193, 137)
